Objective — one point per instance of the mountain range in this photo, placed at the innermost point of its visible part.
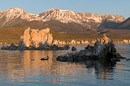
(63, 21)
(13, 17)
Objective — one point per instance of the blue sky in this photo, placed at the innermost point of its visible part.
(120, 7)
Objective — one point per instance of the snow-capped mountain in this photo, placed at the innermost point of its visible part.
(67, 16)
(88, 20)
(63, 16)
(16, 16)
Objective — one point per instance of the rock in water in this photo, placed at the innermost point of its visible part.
(73, 48)
(35, 38)
(103, 49)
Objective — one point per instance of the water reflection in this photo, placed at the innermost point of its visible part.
(27, 66)
(32, 60)
(103, 69)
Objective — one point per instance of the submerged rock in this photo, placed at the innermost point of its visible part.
(102, 50)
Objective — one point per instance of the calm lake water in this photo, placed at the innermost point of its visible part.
(24, 68)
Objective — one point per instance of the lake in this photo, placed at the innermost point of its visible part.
(24, 68)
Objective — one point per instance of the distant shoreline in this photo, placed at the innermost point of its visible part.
(12, 35)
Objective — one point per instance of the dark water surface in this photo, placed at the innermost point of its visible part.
(24, 68)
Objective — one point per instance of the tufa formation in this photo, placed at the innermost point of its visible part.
(35, 39)
(103, 49)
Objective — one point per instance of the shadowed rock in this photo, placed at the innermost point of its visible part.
(73, 48)
(102, 50)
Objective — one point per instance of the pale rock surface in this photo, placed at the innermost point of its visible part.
(73, 42)
(36, 38)
(55, 42)
(125, 41)
(106, 39)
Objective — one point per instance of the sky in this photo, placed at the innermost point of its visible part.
(114, 7)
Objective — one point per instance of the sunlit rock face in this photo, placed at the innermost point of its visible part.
(103, 49)
(35, 38)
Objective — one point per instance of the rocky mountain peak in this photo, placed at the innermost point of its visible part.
(54, 9)
(14, 15)
(63, 16)
(66, 16)
(15, 10)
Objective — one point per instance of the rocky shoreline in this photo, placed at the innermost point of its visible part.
(52, 47)
(123, 41)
